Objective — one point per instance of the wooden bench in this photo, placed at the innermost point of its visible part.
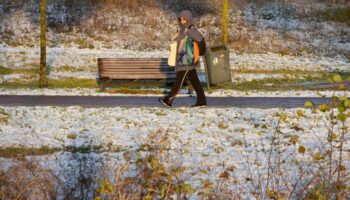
(134, 69)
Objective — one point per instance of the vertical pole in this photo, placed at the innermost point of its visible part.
(42, 75)
(225, 21)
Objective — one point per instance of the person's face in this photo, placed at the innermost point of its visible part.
(183, 21)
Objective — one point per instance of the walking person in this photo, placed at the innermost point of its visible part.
(185, 67)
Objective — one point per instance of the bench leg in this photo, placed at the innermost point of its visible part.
(102, 86)
(103, 83)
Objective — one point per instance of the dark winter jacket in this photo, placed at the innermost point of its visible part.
(191, 32)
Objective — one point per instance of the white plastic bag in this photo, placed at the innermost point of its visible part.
(172, 56)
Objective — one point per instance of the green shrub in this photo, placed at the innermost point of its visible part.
(338, 15)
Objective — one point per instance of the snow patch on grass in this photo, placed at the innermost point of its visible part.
(205, 141)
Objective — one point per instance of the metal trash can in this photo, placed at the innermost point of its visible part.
(217, 65)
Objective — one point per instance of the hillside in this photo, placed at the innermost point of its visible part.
(283, 27)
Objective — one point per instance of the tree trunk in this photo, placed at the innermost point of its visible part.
(42, 75)
(225, 21)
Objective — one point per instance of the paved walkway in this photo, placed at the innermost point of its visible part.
(139, 101)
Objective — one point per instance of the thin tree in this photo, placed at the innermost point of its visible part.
(42, 76)
(225, 21)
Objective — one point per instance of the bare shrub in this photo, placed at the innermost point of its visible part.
(26, 179)
(153, 179)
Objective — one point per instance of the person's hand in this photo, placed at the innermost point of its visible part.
(185, 31)
(176, 34)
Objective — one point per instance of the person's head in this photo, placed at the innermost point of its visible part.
(182, 21)
(185, 18)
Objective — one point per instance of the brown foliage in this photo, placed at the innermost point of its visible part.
(25, 179)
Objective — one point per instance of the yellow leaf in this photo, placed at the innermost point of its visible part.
(308, 104)
(332, 137)
(283, 117)
(302, 149)
(341, 87)
(153, 162)
(300, 113)
(323, 107)
(222, 125)
(271, 193)
(110, 188)
(337, 78)
(341, 117)
(105, 182)
(100, 190)
(343, 98)
(185, 151)
(317, 156)
(188, 189)
(148, 197)
(341, 109)
(347, 103)
(294, 139)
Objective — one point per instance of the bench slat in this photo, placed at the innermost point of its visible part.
(135, 68)
(132, 59)
(142, 76)
(133, 65)
(135, 61)
(131, 74)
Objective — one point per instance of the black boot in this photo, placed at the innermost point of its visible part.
(166, 102)
(199, 105)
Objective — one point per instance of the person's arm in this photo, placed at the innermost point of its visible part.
(194, 34)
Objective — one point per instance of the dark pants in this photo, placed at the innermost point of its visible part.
(192, 76)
